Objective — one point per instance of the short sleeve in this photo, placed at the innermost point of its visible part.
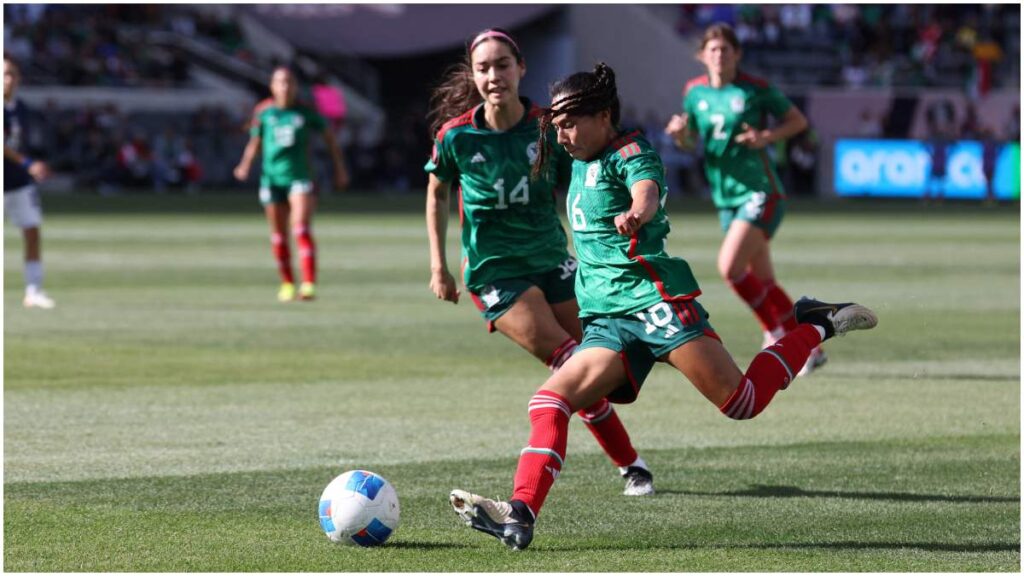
(775, 102)
(643, 166)
(256, 126)
(687, 103)
(442, 162)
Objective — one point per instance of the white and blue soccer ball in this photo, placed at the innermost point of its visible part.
(359, 508)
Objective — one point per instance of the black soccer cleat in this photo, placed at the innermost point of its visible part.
(639, 481)
(834, 319)
(514, 527)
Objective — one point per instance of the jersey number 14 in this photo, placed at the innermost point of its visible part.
(519, 195)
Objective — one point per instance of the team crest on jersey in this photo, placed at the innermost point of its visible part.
(531, 152)
(299, 122)
(737, 104)
(702, 105)
(592, 171)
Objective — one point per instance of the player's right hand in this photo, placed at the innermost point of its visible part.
(442, 284)
(241, 173)
(676, 125)
(39, 171)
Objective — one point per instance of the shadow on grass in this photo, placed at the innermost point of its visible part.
(406, 544)
(765, 491)
(842, 545)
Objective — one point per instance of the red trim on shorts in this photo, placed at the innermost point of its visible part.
(480, 306)
(633, 241)
(712, 334)
(629, 375)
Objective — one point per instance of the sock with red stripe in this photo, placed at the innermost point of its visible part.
(753, 292)
(603, 422)
(307, 254)
(283, 255)
(771, 370)
(541, 461)
(782, 305)
(601, 419)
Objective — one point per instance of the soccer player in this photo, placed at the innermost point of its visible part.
(21, 198)
(727, 109)
(638, 304)
(515, 264)
(282, 128)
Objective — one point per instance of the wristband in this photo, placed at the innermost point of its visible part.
(26, 162)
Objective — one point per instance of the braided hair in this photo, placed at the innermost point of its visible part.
(457, 92)
(582, 94)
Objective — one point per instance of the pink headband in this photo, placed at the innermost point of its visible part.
(493, 34)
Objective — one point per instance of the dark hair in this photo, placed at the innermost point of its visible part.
(720, 31)
(457, 93)
(582, 94)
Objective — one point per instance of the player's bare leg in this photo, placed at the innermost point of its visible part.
(35, 297)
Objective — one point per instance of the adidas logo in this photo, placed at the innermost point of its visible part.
(478, 157)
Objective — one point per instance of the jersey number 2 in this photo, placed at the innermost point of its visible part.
(718, 121)
(520, 194)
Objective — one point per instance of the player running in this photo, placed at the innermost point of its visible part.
(282, 127)
(727, 108)
(515, 264)
(637, 304)
(21, 198)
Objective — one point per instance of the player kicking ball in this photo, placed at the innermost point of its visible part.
(639, 306)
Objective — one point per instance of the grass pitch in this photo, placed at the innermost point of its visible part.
(170, 415)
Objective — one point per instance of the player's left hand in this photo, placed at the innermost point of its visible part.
(627, 223)
(752, 138)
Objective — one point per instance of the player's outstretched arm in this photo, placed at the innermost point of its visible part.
(341, 177)
(646, 196)
(442, 283)
(252, 149)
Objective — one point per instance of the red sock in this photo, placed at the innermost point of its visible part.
(773, 369)
(541, 460)
(753, 292)
(782, 304)
(307, 254)
(561, 354)
(283, 255)
(604, 424)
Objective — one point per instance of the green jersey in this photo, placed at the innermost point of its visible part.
(618, 274)
(285, 134)
(509, 224)
(734, 171)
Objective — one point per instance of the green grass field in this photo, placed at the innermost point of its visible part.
(170, 415)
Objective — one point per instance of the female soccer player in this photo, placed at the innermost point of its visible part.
(515, 264)
(727, 108)
(638, 304)
(282, 128)
(21, 198)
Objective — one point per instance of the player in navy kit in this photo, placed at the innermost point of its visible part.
(21, 198)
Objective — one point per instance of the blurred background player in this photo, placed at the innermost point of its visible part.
(639, 306)
(515, 263)
(727, 108)
(21, 198)
(282, 127)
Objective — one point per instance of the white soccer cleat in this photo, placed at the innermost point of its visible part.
(499, 519)
(38, 299)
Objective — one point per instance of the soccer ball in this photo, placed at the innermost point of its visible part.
(359, 508)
